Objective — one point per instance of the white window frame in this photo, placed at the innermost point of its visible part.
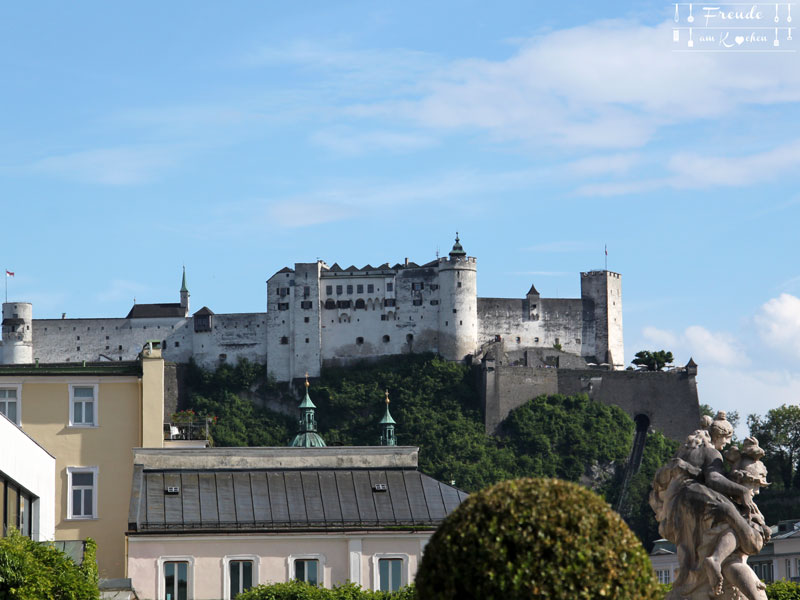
(376, 572)
(319, 557)
(162, 593)
(226, 571)
(95, 475)
(95, 410)
(18, 388)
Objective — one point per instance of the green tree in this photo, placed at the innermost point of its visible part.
(654, 361)
(778, 434)
(33, 571)
(554, 432)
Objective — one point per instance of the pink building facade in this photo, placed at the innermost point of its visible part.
(210, 523)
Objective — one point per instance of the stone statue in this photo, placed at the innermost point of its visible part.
(710, 515)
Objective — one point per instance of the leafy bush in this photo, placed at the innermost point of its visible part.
(783, 590)
(299, 590)
(535, 538)
(34, 571)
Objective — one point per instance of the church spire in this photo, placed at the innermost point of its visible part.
(307, 436)
(387, 426)
(184, 294)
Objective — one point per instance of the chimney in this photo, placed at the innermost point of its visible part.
(406, 261)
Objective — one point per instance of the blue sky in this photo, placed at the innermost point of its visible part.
(237, 139)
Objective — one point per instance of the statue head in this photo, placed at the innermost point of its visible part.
(721, 431)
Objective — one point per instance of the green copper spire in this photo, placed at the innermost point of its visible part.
(387, 426)
(183, 282)
(458, 249)
(307, 436)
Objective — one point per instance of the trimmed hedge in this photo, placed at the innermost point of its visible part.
(535, 538)
(783, 590)
(299, 590)
(37, 571)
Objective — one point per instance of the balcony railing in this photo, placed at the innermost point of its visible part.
(192, 430)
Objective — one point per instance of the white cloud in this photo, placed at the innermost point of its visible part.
(714, 348)
(706, 347)
(126, 165)
(696, 171)
(778, 324)
(610, 84)
(660, 337)
(748, 391)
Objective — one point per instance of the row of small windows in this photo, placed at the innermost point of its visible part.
(242, 575)
(331, 304)
(359, 340)
(359, 289)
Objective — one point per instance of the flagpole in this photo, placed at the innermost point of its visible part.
(606, 248)
(6, 286)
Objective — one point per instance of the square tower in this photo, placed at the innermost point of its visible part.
(601, 292)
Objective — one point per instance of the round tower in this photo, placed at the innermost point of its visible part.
(458, 304)
(17, 333)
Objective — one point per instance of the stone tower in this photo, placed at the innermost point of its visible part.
(184, 294)
(17, 333)
(601, 292)
(458, 296)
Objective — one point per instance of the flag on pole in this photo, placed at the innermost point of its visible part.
(606, 246)
(9, 273)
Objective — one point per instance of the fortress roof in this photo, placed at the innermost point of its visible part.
(150, 311)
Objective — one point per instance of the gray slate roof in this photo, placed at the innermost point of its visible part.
(267, 500)
(151, 311)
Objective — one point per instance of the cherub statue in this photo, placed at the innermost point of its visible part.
(710, 517)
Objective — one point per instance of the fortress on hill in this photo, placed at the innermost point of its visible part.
(319, 315)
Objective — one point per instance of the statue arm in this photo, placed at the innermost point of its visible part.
(715, 479)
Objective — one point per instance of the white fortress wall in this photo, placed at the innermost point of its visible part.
(70, 340)
(233, 336)
(561, 322)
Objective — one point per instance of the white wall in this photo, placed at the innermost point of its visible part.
(345, 557)
(29, 465)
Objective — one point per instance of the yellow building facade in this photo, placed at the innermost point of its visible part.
(89, 417)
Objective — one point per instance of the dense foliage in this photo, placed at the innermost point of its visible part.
(437, 408)
(535, 538)
(299, 590)
(38, 571)
(783, 590)
(779, 435)
(654, 361)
